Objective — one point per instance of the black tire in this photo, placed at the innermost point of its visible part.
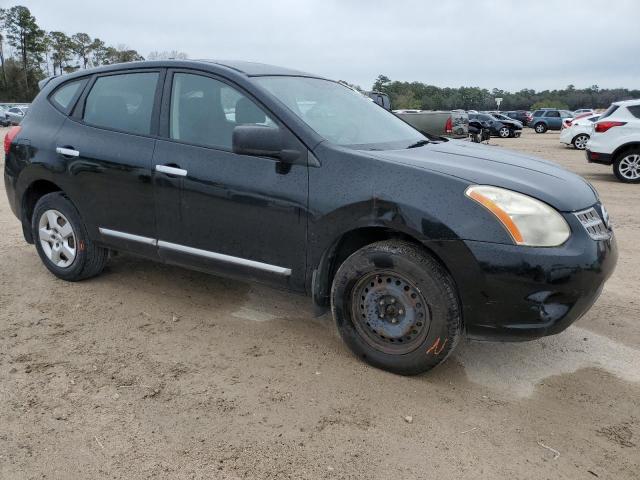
(89, 259)
(540, 127)
(427, 293)
(626, 167)
(579, 142)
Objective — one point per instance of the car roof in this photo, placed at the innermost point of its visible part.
(627, 103)
(232, 67)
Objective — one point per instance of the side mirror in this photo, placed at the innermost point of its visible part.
(262, 141)
(257, 140)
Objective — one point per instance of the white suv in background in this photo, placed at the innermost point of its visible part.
(577, 131)
(615, 140)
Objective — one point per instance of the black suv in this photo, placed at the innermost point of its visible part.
(280, 176)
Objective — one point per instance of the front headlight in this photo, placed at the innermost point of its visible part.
(528, 221)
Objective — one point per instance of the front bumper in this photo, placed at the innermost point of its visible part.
(511, 293)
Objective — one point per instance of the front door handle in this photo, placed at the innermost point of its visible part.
(67, 152)
(170, 170)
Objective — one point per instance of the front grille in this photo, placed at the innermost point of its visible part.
(593, 224)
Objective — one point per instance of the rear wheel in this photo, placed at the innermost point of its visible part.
(540, 128)
(580, 141)
(504, 132)
(396, 307)
(627, 166)
(62, 242)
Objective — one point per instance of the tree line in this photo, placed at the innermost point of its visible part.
(28, 54)
(419, 95)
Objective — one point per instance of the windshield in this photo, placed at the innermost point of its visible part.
(341, 115)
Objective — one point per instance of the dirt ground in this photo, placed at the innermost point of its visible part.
(151, 371)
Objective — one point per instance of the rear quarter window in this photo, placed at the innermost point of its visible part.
(609, 111)
(122, 102)
(635, 110)
(64, 95)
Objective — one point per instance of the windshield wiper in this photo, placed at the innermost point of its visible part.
(419, 143)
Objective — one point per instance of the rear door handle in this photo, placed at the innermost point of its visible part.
(67, 152)
(178, 172)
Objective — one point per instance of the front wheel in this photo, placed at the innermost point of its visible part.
(62, 242)
(396, 307)
(540, 128)
(580, 141)
(504, 132)
(627, 167)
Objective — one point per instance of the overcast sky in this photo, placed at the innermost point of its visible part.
(488, 43)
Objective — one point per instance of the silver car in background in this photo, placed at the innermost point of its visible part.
(15, 114)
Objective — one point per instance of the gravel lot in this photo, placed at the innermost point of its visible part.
(151, 371)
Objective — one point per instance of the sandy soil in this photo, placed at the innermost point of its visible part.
(150, 371)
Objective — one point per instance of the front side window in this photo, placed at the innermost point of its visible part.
(339, 114)
(204, 111)
(122, 102)
(65, 94)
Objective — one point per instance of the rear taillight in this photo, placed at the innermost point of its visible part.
(448, 127)
(602, 127)
(8, 138)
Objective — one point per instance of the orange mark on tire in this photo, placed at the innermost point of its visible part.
(436, 348)
(81, 245)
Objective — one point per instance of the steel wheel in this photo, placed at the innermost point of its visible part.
(580, 142)
(57, 238)
(504, 132)
(629, 167)
(390, 312)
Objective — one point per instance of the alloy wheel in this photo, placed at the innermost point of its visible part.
(57, 238)
(390, 312)
(581, 142)
(629, 167)
(504, 132)
(540, 128)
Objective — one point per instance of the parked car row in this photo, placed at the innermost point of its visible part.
(614, 139)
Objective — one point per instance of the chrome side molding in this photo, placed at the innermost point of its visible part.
(225, 258)
(128, 236)
(198, 252)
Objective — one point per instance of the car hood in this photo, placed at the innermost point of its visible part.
(490, 165)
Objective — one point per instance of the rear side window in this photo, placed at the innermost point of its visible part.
(635, 110)
(65, 94)
(204, 111)
(609, 111)
(538, 113)
(122, 102)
